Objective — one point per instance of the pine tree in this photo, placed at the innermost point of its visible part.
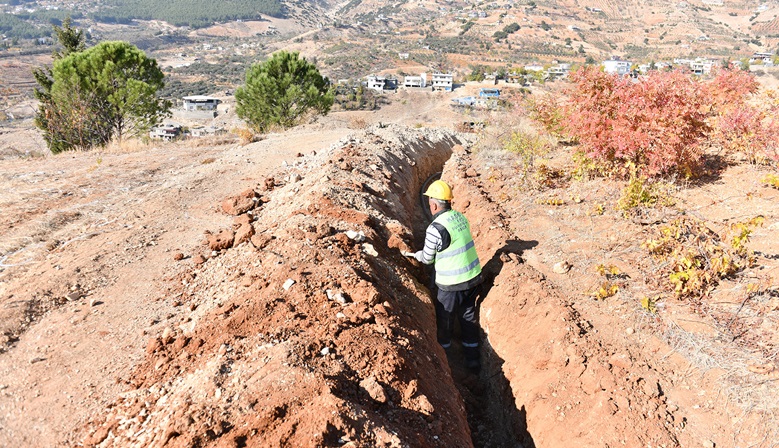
(94, 95)
(71, 40)
(281, 91)
(118, 83)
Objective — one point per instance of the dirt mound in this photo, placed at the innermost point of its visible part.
(315, 336)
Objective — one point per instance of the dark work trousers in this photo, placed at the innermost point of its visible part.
(463, 305)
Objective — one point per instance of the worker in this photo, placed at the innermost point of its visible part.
(449, 246)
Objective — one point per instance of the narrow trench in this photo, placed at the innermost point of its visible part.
(491, 410)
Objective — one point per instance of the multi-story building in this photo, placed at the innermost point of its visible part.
(415, 81)
(444, 81)
(617, 66)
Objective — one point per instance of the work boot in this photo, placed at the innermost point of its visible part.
(473, 366)
(472, 361)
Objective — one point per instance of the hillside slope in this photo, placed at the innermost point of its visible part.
(186, 295)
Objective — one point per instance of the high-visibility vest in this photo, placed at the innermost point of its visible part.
(459, 262)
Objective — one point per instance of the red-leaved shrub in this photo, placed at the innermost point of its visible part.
(750, 131)
(659, 122)
(729, 89)
(546, 111)
(746, 127)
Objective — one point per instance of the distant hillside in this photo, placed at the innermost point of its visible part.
(34, 19)
(351, 38)
(567, 30)
(33, 24)
(194, 13)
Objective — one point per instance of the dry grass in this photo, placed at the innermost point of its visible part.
(215, 140)
(126, 146)
(750, 392)
(501, 127)
(246, 135)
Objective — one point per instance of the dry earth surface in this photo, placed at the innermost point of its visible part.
(227, 295)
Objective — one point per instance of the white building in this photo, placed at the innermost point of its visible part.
(616, 66)
(699, 66)
(205, 131)
(415, 81)
(680, 61)
(702, 66)
(376, 83)
(761, 57)
(200, 102)
(558, 71)
(443, 81)
(165, 132)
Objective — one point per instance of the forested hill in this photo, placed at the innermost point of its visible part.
(195, 13)
(34, 20)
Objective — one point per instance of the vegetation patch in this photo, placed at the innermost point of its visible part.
(194, 13)
(355, 97)
(504, 33)
(693, 258)
(609, 286)
(175, 88)
(772, 180)
(226, 72)
(33, 25)
(643, 192)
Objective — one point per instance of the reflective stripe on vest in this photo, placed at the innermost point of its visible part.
(459, 262)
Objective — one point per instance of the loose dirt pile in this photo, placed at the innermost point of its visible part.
(87, 239)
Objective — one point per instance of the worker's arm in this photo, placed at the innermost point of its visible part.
(436, 240)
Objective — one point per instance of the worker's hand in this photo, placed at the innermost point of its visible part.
(406, 253)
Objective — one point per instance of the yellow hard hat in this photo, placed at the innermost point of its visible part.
(439, 190)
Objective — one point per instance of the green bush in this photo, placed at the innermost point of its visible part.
(280, 91)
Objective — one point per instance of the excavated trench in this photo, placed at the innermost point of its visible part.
(302, 325)
(549, 378)
(493, 418)
(489, 403)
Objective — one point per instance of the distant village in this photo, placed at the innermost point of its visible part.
(202, 107)
(538, 72)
